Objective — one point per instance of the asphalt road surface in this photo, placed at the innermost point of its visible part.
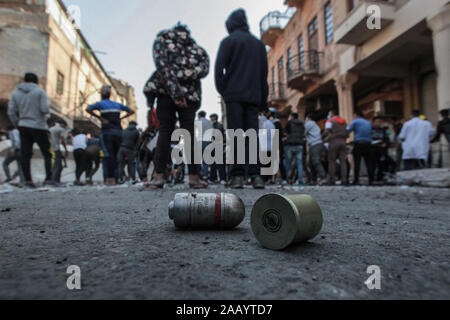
(127, 248)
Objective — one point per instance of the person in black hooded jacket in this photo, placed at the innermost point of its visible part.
(241, 78)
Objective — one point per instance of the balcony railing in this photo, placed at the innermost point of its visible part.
(272, 25)
(277, 93)
(303, 68)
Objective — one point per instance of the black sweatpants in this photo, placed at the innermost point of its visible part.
(243, 116)
(364, 150)
(28, 137)
(167, 115)
(80, 161)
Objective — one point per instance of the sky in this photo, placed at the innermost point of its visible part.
(125, 31)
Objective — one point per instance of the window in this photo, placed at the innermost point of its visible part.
(273, 79)
(351, 4)
(59, 84)
(301, 52)
(280, 74)
(329, 29)
(312, 27)
(80, 104)
(280, 69)
(289, 64)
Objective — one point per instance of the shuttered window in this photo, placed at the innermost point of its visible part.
(329, 28)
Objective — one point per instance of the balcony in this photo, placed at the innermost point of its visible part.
(277, 94)
(272, 25)
(354, 29)
(304, 69)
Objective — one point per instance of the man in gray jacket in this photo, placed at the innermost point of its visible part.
(314, 139)
(28, 110)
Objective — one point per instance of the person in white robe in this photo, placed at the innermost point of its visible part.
(415, 136)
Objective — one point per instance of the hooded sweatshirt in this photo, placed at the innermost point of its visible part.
(28, 107)
(180, 64)
(241, 66)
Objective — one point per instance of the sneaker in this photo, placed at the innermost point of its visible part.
(258, 183)
(78, 184)
(29, 186)
(223, 182)
(300, 184)
(237, 183)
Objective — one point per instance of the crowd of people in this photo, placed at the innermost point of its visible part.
(28, 111)
(311, 151)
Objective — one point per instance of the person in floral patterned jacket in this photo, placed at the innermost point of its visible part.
(176, 85)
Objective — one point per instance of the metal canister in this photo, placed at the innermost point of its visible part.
(280, 221)
(206, 211)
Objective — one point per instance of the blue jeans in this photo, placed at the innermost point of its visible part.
(292, 152)
(110, 144)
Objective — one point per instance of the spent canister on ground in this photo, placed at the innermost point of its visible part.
(279, 221)
(206, 211)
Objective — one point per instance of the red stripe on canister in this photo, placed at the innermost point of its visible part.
(218, 209)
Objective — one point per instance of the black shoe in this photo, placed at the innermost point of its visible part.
(237, 183)
(258, 183)
(29, 186)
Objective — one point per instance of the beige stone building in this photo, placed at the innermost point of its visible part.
(39, 36)
(337, 54)
(126, 96)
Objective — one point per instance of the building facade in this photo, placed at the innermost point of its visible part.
(337, 54)
(126, 96)
(39, 36)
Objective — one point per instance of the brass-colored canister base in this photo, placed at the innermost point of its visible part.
(279, 221)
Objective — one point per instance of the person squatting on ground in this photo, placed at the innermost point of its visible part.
(362, 146)
(79, 142)
(415, 137)
(58, 136)
(241, 79)
(293, 148)
(316, 148)
(14, 154)
(128, 152)
(336, 136)
(28, 110)
(176, 85)
(94, 154)
(111, 133)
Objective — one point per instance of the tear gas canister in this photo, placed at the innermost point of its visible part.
(206, 211)
(279, 221)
